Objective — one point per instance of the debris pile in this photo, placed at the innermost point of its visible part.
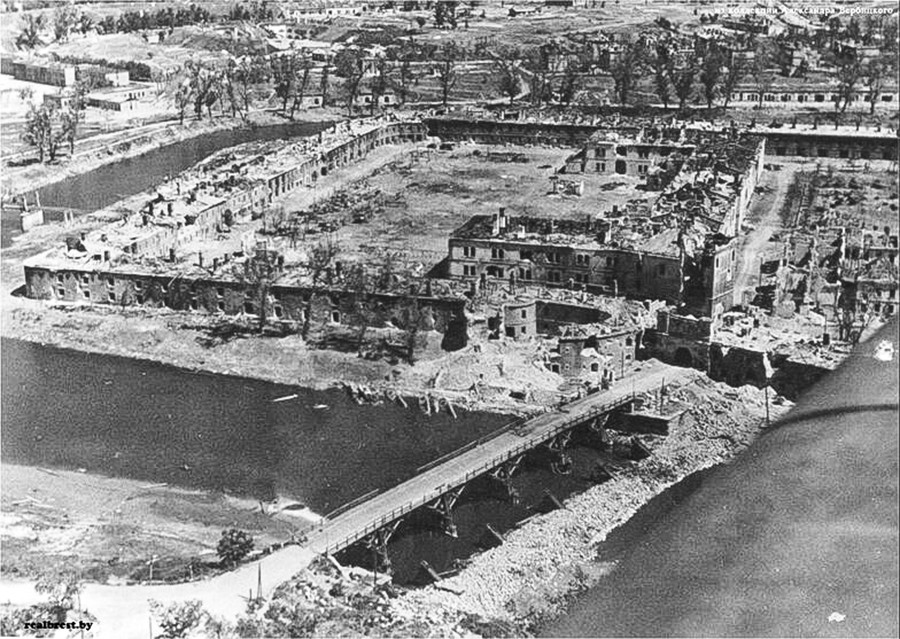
(328, 600)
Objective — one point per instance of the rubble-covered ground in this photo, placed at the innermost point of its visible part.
(412, 204)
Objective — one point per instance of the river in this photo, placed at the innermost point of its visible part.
(143, 420)
(112, 182)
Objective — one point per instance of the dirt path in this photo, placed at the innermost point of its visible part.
(765, 219)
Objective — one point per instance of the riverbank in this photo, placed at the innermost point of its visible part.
(130, 143)
(179, 339)
(106, 528)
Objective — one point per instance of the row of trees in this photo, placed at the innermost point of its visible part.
(715, 76)
(66, 20)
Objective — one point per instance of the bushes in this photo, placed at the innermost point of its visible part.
(234, 546)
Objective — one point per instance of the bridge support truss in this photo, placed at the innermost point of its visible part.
(377, 542)
(561, 462)
(596, 432)
(443, 508)
(503, 474)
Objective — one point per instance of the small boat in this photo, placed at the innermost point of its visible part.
(286, 398)
(321, 406)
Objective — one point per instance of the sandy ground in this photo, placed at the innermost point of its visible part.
(107, 528)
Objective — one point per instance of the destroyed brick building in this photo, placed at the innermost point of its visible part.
(678, 248)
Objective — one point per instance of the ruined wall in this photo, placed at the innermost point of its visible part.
(680, 340)
(737, 366)
(520, 319)
(866, 147)
(553, 316)
(677, 350)
(611, 271)
(504, 132)
(792, 377)
(285, 303)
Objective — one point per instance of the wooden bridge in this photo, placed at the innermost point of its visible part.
(438, 486)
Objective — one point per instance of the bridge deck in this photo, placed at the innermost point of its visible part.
(359, 521)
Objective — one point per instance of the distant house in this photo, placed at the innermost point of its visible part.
(385, 100)
(42, 72)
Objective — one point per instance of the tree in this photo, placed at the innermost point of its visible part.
(381, 82)
(183, 97)
(32, 26)
(61, 591)
(44, 130)
(402, 61)
(445, 13)
(229, 87)
(570, 84)
(446, 71)
(258, 274)
(319, 267)
(506, 67)
(177, 619)
(349, 64)
(233, 546)
(205, 84)
(661, 63)
(69, 121)
(711, 74)
(875, 73)
(847, 73)
(626, 68)
(413, 318)
(302, 71)
(731, 76)
(536, 60)
(683, 81)
(284, 74)
(85, 23)
(763, 78)
(325, 83)
(65, 20)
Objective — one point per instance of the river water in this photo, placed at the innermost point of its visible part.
(110, 183)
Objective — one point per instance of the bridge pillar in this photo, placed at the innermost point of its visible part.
(443, 507)
(377, 542)
(596, 436)
(561, 463)
(503, 474)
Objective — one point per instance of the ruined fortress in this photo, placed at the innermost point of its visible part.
(192, 246)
